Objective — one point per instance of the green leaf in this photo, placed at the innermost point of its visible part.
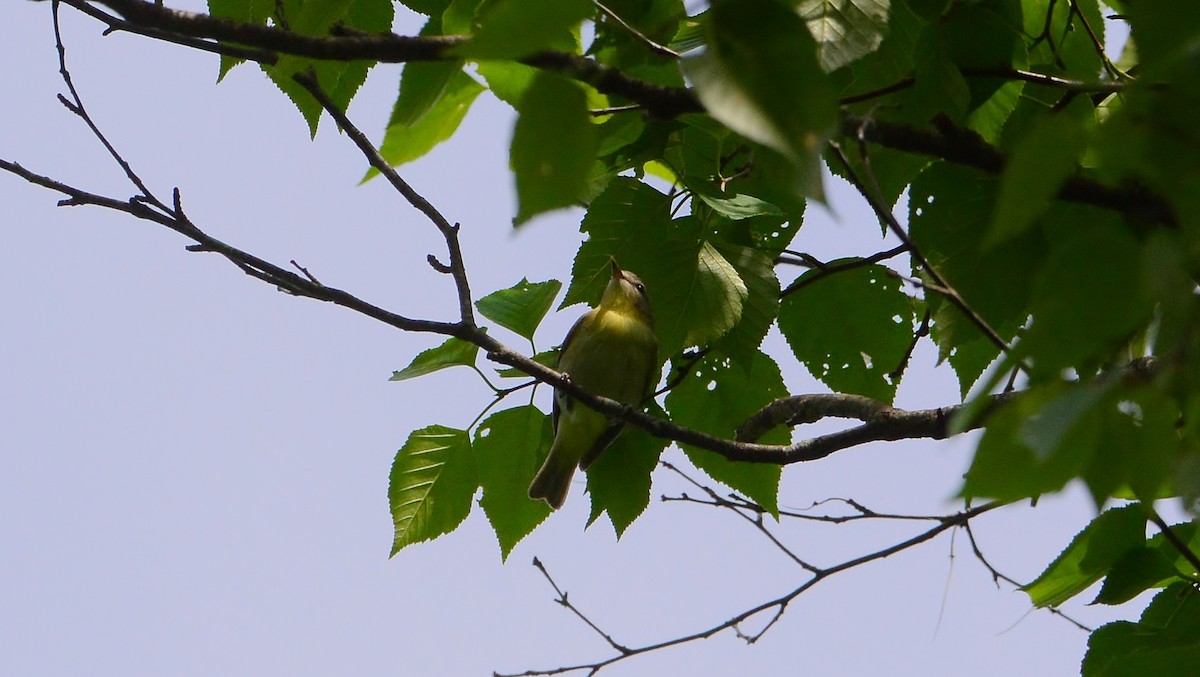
(339, 80)
(453, 353)
(940, 87)
(1135, 572)
(422, 86)
(512, 29)
(1035, 444)
(1039, 165)
(757, 271)
(691, 33)
(423, 83)
(849, 351)
(509, 447)
(892, 62)
(508, 80)
(431, 485)
(548, 358)
(738, 206)
(893, 170)
(553, 146)
(716, 398)
(426, 7)
(950, 208)
(1090, 555)
(760, 76)
(1163, 643)
(845, 29)
(619, 481)
(1089, 295)
(406, 142)
(254, 12)
(521, 307)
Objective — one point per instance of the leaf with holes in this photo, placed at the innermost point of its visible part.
(850, 328)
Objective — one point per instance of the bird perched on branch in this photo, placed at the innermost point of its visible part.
(611, 351)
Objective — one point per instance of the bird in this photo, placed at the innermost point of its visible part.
(611, 351)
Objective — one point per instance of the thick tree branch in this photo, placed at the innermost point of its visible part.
(947, 142)
(964, 147)
(886, 425)
(881, 421)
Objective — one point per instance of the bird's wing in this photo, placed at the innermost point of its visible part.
(562, 350)
(601, 444)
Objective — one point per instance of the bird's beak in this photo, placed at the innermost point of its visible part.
(616, 270)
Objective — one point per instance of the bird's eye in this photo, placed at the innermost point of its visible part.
(640, 287)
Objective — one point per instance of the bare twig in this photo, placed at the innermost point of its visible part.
(641, 37)
(777, 605)
(825, 269)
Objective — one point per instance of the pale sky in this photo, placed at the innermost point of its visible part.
(193, 465)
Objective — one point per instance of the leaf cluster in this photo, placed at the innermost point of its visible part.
(1051, 239)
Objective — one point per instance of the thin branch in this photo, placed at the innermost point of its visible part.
(641, 37)
(1172, 537)
(756, 519)
(887, 218)
(779, 604)
(997, 577)
(961, 146)
(564, 601)
(449, 232)
(922, 331)
(75, 105)
(825, 269)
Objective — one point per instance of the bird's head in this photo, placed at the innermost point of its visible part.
(627, 294)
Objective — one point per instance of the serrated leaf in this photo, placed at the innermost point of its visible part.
(716, 398)
(950, 208)
(760, 77)
(512, 29)
(845, 30)
(404, 143)
(521, 307)
(453, 353)
(619, 481)
(509, 447)
(1090, 555)
(553, 146)
(1163, 643)
(757, 271)
(851, 351)
(253, 12)
(431, 485)
(339, 80)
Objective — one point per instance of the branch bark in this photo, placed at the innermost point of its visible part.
(264, 44)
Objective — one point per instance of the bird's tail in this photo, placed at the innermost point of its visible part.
(553, 481)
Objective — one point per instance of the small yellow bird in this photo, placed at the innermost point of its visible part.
(611, 351)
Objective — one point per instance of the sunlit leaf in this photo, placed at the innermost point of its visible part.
(521, 307)
(431, 485)
(452, 353)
